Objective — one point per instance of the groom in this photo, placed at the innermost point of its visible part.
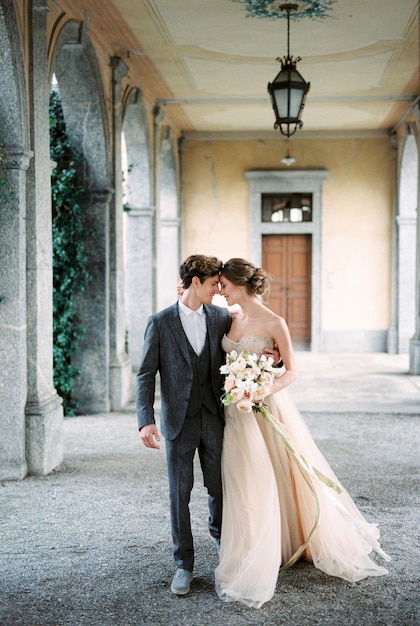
(183, 344)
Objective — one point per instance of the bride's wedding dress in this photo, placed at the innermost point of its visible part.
(271, 503)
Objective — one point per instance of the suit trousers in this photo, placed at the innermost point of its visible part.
(202, 432)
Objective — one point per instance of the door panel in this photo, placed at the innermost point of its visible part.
(288, 259)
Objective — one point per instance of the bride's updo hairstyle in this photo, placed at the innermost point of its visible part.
(242, 273)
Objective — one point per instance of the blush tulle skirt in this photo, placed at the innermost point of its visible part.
(277, 509)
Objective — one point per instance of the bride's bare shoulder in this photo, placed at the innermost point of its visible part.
(275, 321)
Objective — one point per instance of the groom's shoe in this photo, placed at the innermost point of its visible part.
(181, 582)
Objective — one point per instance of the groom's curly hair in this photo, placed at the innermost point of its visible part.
(199, 265)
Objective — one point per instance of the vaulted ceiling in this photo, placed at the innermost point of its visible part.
(214, 60)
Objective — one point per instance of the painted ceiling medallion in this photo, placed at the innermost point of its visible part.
(315, 9)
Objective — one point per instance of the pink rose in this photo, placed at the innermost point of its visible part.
(268, 378)
(230, 382)
(236, 394)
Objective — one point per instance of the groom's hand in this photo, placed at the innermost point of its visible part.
(274, 353)
(149, 435)
(180, 288)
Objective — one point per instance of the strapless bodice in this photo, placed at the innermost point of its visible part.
(249, 343)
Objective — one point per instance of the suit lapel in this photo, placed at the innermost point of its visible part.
(212, 331)
(178, 331)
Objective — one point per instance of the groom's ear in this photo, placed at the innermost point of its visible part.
(195, 281)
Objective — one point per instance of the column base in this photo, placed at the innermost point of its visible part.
(44, 435)
(11, 471)
(120, 383)
(414, 367)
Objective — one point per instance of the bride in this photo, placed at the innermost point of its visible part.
(281, 499)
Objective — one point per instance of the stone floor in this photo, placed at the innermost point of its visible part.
(90, 544)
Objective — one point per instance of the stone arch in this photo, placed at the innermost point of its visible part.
(168, 221)
(139, 222)
(76, 69)
(405, 247)
(13, 313)
(75, 66)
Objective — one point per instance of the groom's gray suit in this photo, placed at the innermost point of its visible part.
(191, 416)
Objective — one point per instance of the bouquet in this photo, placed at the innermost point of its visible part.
(248, 380)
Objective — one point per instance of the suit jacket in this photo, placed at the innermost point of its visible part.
(166, 351)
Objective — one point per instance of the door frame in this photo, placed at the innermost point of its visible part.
(292, 181)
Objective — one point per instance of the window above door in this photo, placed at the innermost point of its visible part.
(286, 207)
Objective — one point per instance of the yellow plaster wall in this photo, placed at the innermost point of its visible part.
(357, 234)
(356, 225)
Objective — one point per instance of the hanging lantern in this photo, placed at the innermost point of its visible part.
(288, 90)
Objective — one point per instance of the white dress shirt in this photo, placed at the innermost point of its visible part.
(194, 325)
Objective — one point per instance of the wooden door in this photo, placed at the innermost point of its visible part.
(288, 259)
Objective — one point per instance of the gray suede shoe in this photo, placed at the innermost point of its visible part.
(181, 582)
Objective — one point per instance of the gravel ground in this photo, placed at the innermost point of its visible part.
(90, 545)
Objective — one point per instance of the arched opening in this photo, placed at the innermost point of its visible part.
(69, 201)
(75, 67)
(407, 240)
(168, 223)
(139, 248)
(405, 248)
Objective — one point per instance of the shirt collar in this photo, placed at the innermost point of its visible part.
(187, 311)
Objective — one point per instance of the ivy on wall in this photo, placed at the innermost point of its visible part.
(70, 273)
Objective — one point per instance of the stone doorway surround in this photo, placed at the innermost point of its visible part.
(293, 181)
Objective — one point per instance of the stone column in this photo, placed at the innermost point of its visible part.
(168, 222)
(44, 413)
(415, 340)
(406, 279)
(392, 336)
(120, 366)
(92, 386)
(169, 235)
(140, 248)
(140, 290)
(13, 378)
